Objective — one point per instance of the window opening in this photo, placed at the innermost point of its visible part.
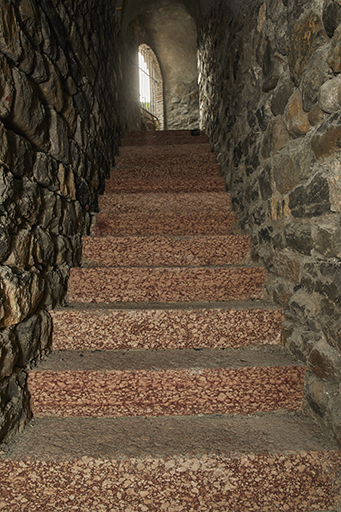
(151, 85)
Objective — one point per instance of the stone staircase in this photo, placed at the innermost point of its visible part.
(168, 389)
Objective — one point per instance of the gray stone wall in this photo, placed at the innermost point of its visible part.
(58, 136)
(270, 95)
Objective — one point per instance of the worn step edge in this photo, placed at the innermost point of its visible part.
(162, 392)
(97, 329)
(165, 250)
(279, 461)
(170, 186)
(131, 224)
(165, 150)
(164, 202)
(165, 284)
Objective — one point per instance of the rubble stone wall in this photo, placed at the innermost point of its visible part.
(270, 95)
(58, 136)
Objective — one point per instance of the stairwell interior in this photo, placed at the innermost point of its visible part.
(168, 388)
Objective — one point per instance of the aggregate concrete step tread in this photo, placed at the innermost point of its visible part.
(278, 461)
(173, 223)
(165, 185)
(165, 284)
(163, 138)
(165, 251)
(163, 152)
(165, 203)
(175, 163)
(158, 383)
(139, 327)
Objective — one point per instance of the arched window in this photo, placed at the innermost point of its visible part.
(151, 85)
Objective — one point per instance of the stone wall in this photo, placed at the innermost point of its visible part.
(58, 136)
(270, 94)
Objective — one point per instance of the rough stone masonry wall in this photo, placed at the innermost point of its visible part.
(270, 92)
(58, 134)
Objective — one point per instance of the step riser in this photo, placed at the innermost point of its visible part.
(190, 170)
(165, 285)
(184, 392)
(165, 251)
(281, 482)
(163, 141)
(165, 203)
(165, 329)
(135, 224)
(170, 185)
(164, 151)
(173, 164)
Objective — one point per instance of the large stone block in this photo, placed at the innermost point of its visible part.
(325, 361)
(327, 238)
(9, 31)
(30, 20)
(27, 59)
(22, 155)
(21, 293)
(28, 115)
(275, 137)
(307, 36)
(281, 96)
(51, 216)
(327, 140)
(331, 16)
(291, 165)
(6, 87)
(6, 188)
(5, 152)
(334, 56)
(52, 90)
(45, 171)
(59, 142)
(28, 337)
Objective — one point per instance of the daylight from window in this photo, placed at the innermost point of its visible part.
(144, 81)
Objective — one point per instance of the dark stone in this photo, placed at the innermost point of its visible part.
(6, 188)
(265, 183)
(261, 118)
(5, 244)
(265, 234)
(29, 204)
(259, 215)
(327, 143)
(39, 73)
(310, 200)
(325, 361)
(331, 272)
(271, 71)
(44, 253)
(45, 171)
(28, 336)
(298, 237)
(281, 96)
(252, 161)
(331, 16)
(55, 22)
(237, 154)
(22, 155)
(236, 62)
(55, 287)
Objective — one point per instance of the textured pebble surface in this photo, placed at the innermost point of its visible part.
(165, 251)
(176, 166)
(165, 284)
(155, 329)
(201, 223)
(164, 151)
(280, 482)
(165, 392)
(165, 202)
(170, 185)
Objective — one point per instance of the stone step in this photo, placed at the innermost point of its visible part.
(173, 251)
(176, 162)
(271, 462)
(165, 137)
(166, 382)
(163, 223)
(163, 152)
(165, 203)
(165, 284)
(166, 185)
(161, 326)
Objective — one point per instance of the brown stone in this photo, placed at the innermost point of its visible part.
(8, 352)
(51, 90)
(307, 36)
(69, 114)
(22, 292)
(6, 87)
(296, 119)
(315, 115)
(27, 59)
(327, 143)
(9, 31)
(28, 114)
(30, 19)
(325, 361)
(287, 266)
